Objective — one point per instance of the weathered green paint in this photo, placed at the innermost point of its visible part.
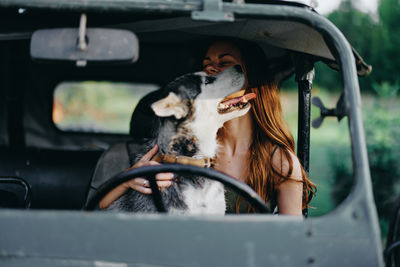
(348, 236)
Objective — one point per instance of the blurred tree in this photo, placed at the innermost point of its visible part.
(382, 129)
(377, 42)
(360, 30)
(385, 44)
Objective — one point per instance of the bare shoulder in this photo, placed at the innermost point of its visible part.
(281, 163)
(290, 192)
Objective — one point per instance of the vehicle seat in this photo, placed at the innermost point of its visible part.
(15, 192)
(116, 158)
(143, 120)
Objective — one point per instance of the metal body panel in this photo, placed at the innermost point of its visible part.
(348, 236)
(246, 240)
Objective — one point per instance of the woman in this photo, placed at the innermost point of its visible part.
(255, 148)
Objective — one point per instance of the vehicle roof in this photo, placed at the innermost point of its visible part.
(275, 36)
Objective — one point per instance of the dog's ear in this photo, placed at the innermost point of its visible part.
(172, 105)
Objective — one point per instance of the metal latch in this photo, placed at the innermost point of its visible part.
(212, 11)
(339, 111)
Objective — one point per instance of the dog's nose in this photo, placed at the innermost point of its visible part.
(238, 68)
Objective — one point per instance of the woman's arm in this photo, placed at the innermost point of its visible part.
(112, 196)
(290, 192)
(139, 184)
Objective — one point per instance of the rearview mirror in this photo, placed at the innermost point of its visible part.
(103, 46)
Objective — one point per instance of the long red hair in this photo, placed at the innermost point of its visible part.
(270, 136)
(270, 133)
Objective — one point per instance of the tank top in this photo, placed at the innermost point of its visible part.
(232, 198)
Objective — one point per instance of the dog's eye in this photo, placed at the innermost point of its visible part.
(210, 80)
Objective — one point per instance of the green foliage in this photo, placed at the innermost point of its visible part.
(383, 138)
(343, 178)
(386, 89)
(377, 41)
(382, 129)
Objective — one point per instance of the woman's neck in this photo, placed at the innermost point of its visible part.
(236, 135)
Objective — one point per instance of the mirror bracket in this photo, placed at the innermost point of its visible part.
(82, 39)
(82, 33)
(212, 11)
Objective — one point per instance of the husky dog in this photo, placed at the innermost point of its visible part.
(195, 107)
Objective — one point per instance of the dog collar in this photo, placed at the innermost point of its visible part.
(169, 158)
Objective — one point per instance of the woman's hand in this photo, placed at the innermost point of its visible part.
(139, 184)
(142, 185)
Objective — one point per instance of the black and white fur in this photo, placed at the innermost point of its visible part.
(189, 128)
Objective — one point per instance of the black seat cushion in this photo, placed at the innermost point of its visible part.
(117, 158)
(9, 200)
(143, 121)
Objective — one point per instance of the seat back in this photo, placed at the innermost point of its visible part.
(58, 179)
(143, 121)
(15, 192)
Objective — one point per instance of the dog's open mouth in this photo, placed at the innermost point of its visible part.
(237, 100)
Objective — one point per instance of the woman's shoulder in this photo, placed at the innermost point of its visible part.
(286, 163)
(290, 190)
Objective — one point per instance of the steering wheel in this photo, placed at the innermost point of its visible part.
(150, 171)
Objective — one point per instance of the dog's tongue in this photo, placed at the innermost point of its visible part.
(238, 97)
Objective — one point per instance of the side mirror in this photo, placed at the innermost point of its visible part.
(101, 46)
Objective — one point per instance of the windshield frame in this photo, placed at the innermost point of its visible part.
(351, 230)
